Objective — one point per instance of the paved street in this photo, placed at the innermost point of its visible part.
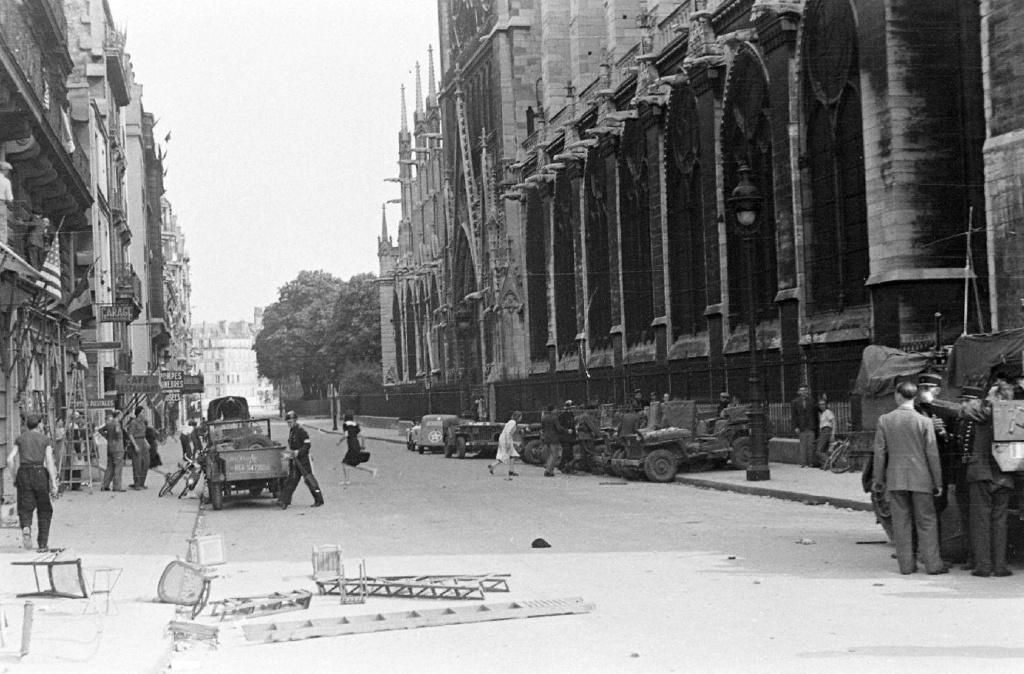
(683, 579)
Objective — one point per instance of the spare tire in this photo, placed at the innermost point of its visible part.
(252, 442)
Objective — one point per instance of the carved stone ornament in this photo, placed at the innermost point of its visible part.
(703, 44)
(776, 8)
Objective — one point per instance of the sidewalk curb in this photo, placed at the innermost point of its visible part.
(807, 499)
(702, 483)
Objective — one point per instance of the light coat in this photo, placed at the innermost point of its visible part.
(906, 454)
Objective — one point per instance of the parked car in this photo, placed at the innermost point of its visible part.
(434, 432)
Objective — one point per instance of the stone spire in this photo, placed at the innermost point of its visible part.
(431, 84)
(405, 121)
(384, 223)
(419, 90)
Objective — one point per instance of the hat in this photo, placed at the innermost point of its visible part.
(4, 166)
(973, 392)
(291, 416)
(929, 379)
(568, 403)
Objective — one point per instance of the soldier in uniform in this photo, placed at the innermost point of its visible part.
(301, 468)
(990, 487)
(953, 434)
(965, 430)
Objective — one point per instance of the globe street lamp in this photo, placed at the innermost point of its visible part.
(746, 204)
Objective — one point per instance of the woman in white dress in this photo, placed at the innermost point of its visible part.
(506, 445)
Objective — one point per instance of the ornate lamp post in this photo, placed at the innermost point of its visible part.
(746, 205)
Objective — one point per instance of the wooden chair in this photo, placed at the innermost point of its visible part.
(327, 568)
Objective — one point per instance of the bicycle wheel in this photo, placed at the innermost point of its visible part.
(840, 462)
(170, 480)
(190, 482)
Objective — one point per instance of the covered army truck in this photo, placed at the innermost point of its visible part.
(969, 362)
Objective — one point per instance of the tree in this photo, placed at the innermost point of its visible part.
(355, 331)
(319, 327)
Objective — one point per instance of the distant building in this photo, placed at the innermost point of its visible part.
(224, 354)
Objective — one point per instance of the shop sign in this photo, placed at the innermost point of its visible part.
(100, 346)
(116, 313)
(192, 383)
(100, 404)
(172, 381)
(137, 383)
(172, 397)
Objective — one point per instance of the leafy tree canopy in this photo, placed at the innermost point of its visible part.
(319, 327)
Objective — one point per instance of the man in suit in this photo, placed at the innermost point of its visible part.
(906, 467)
(805, 423)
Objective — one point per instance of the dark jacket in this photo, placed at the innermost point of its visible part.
(550, 428)
(587, 427)
(805, 414)
(628, 423)
(298, 440)
(568, 422)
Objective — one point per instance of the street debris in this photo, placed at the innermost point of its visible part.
(234, 608)
(186, 631)
(806, 541)
(63, 572)
(540, 543)
(185, 584)
(381, 622)
(327, 568)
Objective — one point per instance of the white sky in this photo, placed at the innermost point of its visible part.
(284, 119)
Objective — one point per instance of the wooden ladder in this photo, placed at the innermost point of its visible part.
(404, 620)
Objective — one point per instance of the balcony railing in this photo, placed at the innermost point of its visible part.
(127, 285)
(18, 220)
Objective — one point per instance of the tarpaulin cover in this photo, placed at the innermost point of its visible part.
(974, 356)
(880, 365)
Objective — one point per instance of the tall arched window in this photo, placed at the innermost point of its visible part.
(537, 274)
(411, 324)
(836, 234)
(396, 323)
(599, 175)
(688, 288)
(635, 225)
(564, 254)
(746, 139)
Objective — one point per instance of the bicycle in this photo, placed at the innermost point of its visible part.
(195, 471)
(192, 468)
(839, 459)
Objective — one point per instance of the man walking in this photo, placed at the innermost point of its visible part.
(906, 467)
(302, 467)
(805, 423)
(550, 432)
(36, 481)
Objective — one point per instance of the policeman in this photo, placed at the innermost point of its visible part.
(299, 444)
